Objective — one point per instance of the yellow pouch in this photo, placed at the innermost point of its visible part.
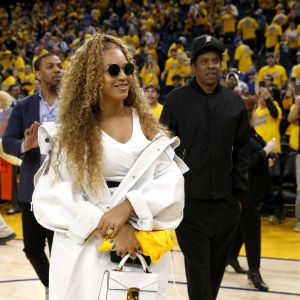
(153, 243)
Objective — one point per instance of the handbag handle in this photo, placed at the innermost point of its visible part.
(139, 256)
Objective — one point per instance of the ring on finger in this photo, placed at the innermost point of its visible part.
(109, 231)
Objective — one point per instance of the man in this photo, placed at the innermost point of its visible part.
(212, 124)
(272, 68)
(242, 55)
(152, 92)
(20, 139)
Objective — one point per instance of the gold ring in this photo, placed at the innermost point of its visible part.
(109, 231)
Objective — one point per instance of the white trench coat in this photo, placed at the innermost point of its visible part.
(154, 187)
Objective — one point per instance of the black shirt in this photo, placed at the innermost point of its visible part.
(214, 131)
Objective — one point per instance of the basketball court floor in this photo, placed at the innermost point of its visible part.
(280, 268)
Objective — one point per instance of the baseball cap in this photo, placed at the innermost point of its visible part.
(206, 42)
(298, 53)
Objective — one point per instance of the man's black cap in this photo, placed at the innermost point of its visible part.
(206, 42)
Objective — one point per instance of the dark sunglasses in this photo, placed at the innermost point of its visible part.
(114, 69)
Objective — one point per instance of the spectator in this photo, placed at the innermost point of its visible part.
(20, 139)
(197, 113)
(247, 27)
(243, 55)
(109, 130)
(278, 72)
(152, 93)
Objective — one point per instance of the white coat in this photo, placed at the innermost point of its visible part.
(154, 187)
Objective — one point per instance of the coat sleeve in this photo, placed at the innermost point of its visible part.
(160, 199)
(58, 205)
(14, 133)
(240, 157)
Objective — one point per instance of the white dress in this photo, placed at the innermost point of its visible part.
(77, 267)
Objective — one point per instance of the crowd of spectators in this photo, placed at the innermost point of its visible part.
(261, 37)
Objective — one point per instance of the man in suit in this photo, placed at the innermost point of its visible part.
(20, 139)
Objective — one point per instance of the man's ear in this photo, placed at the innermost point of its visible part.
(38, 75)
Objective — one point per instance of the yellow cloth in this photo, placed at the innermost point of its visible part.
(272, 34)
(296, 71)
(243, 54)
(172, 67)
(247, 26)
(228, 20)
(278, 72)
(225, 60)
(294, 133)
(154, 243)
(157, 110)
(268, 127)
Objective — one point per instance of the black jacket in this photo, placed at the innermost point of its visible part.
(214, 131)
(260, 185)
(23, 115)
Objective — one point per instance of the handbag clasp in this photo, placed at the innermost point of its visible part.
(133, 294)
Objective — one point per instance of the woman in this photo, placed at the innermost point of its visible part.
(259, 189)
(105, 130)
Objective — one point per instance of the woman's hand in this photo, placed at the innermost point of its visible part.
(112, 220)
(126, 241)
(270, 146)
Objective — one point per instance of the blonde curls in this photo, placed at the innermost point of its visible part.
(80, 115)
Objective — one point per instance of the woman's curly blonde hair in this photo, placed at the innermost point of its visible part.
(80, 115)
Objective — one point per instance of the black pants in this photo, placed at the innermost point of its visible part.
(34, 238)
(205, 237)
(249, 232)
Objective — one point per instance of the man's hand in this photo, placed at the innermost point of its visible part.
(114, 219)
(31, 136)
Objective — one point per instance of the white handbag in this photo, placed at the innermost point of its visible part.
(131, 284)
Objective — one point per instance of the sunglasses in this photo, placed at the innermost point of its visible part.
(114, 69)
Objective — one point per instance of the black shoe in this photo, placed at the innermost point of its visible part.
(255, 277)
(7, 238)
(234, 263)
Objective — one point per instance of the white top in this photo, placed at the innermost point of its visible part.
(119, 157)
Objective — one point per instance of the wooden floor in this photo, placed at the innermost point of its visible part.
(280, 268)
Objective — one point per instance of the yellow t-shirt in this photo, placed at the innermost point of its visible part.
(133, 39)
(6, 59)
(150, 75)
(268, 127)
(292, 35)
(228, 22)
(10, 80)
(157, 110)
(281, 18)
(173, 46)
(243, 54)
(296, 71)
(225, 60)
(273, 32)
(29, 78)
(278, 72)
(294, 133)
(172, 67)
(65, 64)
(247, 26)
(20, 66)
